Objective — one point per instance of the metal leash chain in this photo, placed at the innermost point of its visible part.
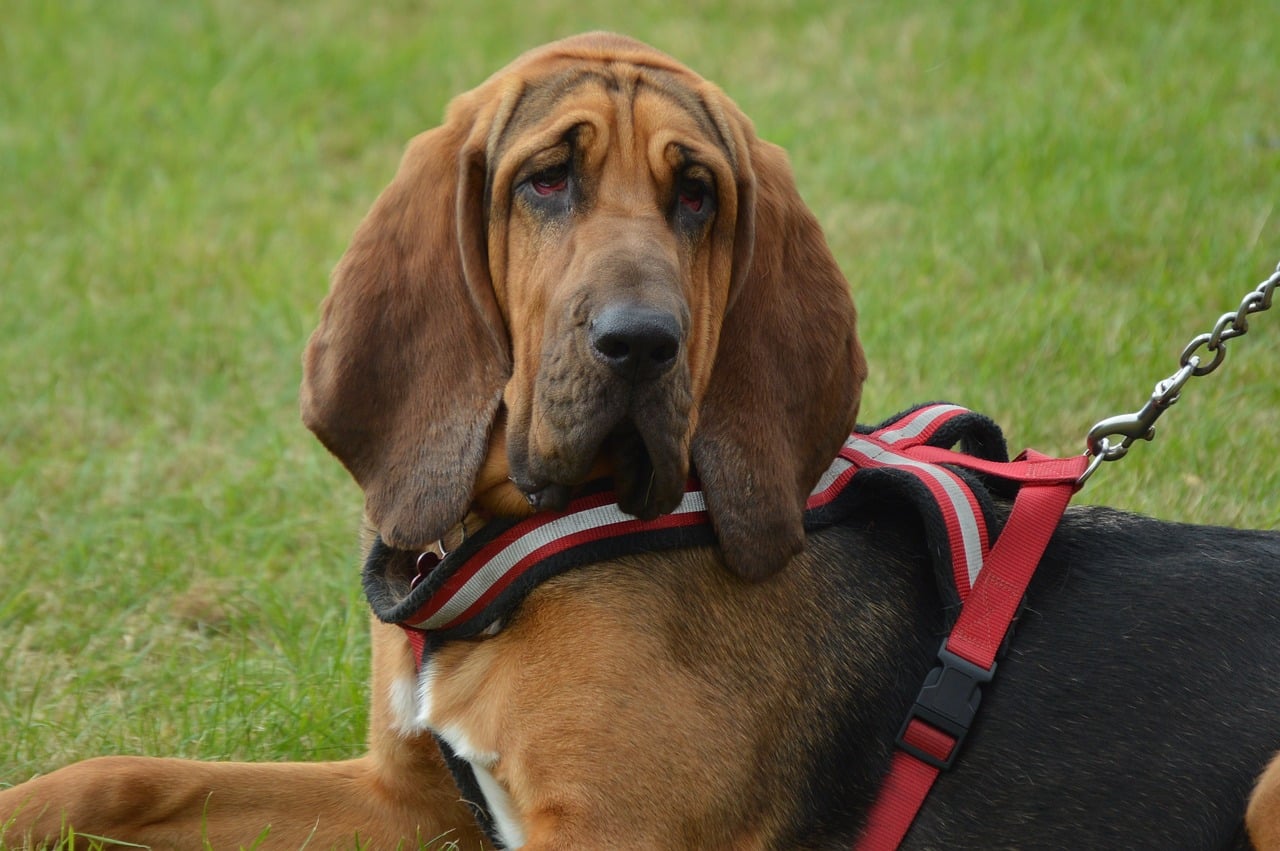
(1140, 425)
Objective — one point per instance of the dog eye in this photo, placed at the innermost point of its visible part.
(694, 196)
(691, 198)
(550, 181)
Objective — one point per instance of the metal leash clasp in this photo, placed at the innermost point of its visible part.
(1140, 425)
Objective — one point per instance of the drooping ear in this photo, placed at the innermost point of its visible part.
(787, 377)
(403, 377)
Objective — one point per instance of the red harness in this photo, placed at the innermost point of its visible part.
(937, 724)
(476, 586)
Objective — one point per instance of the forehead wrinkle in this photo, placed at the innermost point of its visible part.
(625, 80)
(507, 108)
(693, 104)
(539, 99)
(677, 139)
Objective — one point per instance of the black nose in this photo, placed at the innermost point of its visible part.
(638, 343)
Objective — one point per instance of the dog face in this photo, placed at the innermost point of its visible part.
(593, 267)
(606, 205)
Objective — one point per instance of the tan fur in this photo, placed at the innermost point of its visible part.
(447, 348)
(1263, 815)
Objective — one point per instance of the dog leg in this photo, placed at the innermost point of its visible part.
(1263, 815)
(172, 803)
(400, 794)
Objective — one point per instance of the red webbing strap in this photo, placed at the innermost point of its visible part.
(977, 635)
(418, 641)
(986, 615)
(902, 792)
(1030, 467)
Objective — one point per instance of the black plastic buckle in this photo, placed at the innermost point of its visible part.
(948, 701)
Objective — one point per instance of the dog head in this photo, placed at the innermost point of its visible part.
(592, 267)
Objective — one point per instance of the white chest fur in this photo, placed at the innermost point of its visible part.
(411, 709)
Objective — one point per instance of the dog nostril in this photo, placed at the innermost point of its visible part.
(664, 353)
(638, 343)
(613, 348)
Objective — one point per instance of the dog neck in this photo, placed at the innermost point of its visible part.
(465, 528)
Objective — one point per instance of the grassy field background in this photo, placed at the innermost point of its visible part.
(1036, 204)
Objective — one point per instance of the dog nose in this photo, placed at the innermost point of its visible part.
(638, 343)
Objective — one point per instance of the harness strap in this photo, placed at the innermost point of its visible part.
(936, 725)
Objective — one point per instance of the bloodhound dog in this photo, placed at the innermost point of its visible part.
(595, 268)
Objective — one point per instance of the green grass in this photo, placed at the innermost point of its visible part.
(1037, 204)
